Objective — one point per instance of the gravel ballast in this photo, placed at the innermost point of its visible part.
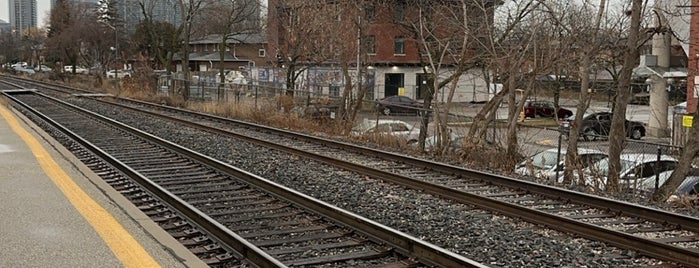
(477, 234)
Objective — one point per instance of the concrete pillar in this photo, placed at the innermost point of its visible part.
(658, 123)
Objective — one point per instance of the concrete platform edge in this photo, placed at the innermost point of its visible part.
(169, 243)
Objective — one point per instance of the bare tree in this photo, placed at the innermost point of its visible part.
(495, 63)
(231, 20)
(588, 40)
(9, 47)
(158, 39)
(617, 135)
(189, 9)
(449, 39)
(525, 44)
(296, 23)
(63, 40)
(32, 39)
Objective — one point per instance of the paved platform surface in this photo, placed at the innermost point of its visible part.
(56, 213)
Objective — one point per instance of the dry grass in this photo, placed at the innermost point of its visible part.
(486, 156)
(690, 202)
(277, 113)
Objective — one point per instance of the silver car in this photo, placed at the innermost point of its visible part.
(544, 165)
(637, 170)
(381, 127)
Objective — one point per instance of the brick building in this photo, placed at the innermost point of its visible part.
(390, 57)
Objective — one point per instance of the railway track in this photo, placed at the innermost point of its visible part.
(658, 234)
(654, 233)
(227, 216)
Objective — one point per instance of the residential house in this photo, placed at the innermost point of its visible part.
(242, 52)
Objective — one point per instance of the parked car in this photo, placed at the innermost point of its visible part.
(42, 68)
(545, 109)
(20, 64)
(398, 104)
(119, 74)
(23, 69)
(690, 185)
(454, 142)
(78, 69)
(396, 128)
(543, 165)
(636, 170)
(597, 125)
(680, 108)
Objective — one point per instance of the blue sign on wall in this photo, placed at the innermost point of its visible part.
(264, 74)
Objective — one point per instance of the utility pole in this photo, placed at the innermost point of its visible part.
(658, 123)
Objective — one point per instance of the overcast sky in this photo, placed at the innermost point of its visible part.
(42, 11)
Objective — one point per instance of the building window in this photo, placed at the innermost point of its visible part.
(334, 90)
(370, 12)
(370, 43)
(261, 53)
(399, 46)
(399, 11)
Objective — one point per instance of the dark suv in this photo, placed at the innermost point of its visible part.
(597, 125)
(544, 109)
(398, 104)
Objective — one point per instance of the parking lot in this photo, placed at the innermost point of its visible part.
(539, 138)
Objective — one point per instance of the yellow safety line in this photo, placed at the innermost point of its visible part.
(122, 244)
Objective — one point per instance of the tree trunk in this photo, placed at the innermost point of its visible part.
(443, 127)
(361, 91)
(482, 119)
(290, 81)
(617, 135)
(345, 102)
(222, 76)
(424, 115)
(690, 151)
(513, 109)
(571, 157)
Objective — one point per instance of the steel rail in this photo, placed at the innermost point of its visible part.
(647, 247)
(403, 243)
(219, 232)
(620, 239)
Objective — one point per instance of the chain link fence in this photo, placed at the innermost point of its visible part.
(645, 163)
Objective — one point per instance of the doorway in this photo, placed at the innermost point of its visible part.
(425, 82)
(393, 82)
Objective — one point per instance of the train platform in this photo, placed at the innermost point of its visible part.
(57, 213)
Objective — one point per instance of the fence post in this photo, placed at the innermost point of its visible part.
(558, 156)
(657, 170)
